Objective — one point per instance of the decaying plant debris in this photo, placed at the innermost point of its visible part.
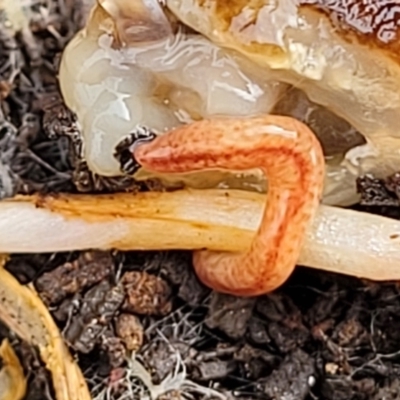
(12, 378)
(25, 314)
(321, 336)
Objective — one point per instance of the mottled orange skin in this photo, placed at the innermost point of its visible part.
(292, 159)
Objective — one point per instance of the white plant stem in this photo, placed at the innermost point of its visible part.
(338, 240)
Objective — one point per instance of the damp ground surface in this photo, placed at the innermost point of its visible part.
(140, 324)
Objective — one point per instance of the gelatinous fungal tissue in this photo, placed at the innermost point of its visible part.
(333, 64)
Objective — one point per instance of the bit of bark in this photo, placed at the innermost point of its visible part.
(375, 192)
(146, 294)
(114, 348)
(161, 357)
(93, 315)
(72, 277)
(130, 330)
(67, 308)
(175, 267)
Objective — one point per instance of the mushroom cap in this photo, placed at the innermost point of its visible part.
(343, 53)
(374, 23)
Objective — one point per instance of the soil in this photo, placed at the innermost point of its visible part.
(320, 336)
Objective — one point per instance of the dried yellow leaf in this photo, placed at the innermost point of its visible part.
(24, 312)
(12, 378)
